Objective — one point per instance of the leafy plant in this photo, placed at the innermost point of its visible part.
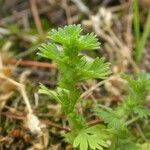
(74, 67)
(118, 120)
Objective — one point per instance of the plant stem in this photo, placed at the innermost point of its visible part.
(76, 123)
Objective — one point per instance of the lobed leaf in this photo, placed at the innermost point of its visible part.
(111, 117)
(66, 35)
(142, 111)
(92, 138)
(95, 69)
(88, 42)
(49, 51)
(52, 94)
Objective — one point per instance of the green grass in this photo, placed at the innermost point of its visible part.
(140, 39)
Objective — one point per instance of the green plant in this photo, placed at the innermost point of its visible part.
(133, 108)
(74, 67)
(140, 39)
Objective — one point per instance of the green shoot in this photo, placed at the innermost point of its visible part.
(74, 68)
(129, 111)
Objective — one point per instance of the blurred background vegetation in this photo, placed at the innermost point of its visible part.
(123, 28)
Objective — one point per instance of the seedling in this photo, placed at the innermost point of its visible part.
(74, 68)
(132, 108)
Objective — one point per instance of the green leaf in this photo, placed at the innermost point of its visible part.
(66, 35)
(139, 86)
(52, 94)
(77, 121)
(67, 99)
(126, 144)
(49, 51)
(95, 69)
(144, 146)
(88, 42)
(92, 138)
(138, 89)
(81, 141)
(70, 136)
(142, 111)
(112, 118)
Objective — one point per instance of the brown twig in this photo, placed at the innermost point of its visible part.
(21, 88)
(22, 116)
(120, 7)
(67, 10)
(13, 18)
(82, 7)
(30, 63)
(89, 91)
(94, 122)
(18, 116)
(52, 124)
(36, 17)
